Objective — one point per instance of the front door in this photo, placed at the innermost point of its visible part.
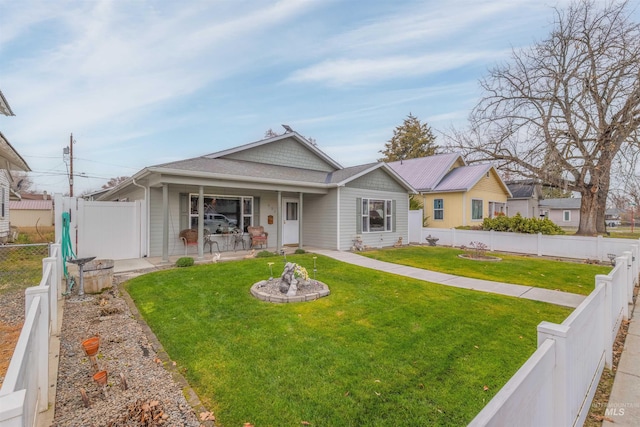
(290, 230)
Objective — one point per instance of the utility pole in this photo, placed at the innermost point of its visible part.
(68, 151)
(71, 165)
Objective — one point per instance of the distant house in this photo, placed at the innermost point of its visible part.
(285, 184)
(565, 212)
(525, 198)
(453, 193)
(9, 160)
(32, 210)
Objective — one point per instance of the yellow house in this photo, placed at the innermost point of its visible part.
(453, 193)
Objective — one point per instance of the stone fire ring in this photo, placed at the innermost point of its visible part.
(260, 291)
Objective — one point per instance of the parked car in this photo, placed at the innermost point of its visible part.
(218, 223)
(613, 222)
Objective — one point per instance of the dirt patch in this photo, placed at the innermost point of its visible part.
(9, 335)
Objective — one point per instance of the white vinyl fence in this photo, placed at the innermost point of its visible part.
(556, 385)
(25, 390)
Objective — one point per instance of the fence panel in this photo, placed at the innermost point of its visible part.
(527, 398)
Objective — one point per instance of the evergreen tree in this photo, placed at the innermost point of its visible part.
(410, 140)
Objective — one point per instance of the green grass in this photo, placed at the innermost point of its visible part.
(519, 270)
(381, 350)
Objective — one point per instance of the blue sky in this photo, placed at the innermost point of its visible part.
(140, 83)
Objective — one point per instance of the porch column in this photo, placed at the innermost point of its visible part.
(165, 223)
(300, 220)
(200, 221)
(279, 222)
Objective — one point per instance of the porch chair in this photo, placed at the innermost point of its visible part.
(208, 240)
(189, 237)
(258, 236)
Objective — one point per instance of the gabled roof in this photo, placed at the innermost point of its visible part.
(223, 166)
(425, 173)
(561, 203)
(295, 135)
(462, 178)
(9, 157)
(525, 189)
(4, 106)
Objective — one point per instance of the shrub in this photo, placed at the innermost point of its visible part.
(300, 251)
(184, 262)
(518, 224)
(265, 254)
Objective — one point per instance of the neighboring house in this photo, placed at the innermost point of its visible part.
(612, 217)
(286, 184)
(9, 160)
(565, 212)
(32, 210)
(525, 198)
(452, 193)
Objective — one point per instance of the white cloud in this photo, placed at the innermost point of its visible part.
(372, 70)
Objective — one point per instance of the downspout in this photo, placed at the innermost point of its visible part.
(146, 217)
(338, 218)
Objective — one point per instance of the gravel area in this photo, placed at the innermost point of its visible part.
(152, 395)
(144, 387)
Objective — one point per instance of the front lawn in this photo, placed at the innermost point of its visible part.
(574, 277)
(381, 350)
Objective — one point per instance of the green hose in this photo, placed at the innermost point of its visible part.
(67, 248)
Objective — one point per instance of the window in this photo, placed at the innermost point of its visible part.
(476, 209)
(566, 216)
(438, 209)
(222, 213)
(377, 215)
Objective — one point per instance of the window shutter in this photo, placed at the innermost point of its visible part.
(359, 215)
(393, 215)
(184, 211)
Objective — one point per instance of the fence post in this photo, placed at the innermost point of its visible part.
(607, 281)
(539, 244)
(56, 252)
(628, 282)
(41, 343)
(561, 378)
(12, 408)
(53, 292)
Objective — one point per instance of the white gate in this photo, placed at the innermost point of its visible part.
(415, 226)
(106, 230)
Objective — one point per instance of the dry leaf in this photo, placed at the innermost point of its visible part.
(346, 394)
(377, 394)
(154, 403)
(207, 416)
(306, 423)
(475, 346)
(485, 388)
(174, 363)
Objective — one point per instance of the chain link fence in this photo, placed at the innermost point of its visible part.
(21, 265)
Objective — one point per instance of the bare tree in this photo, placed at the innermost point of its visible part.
(22, 182)
(561, 110)
(113, 182)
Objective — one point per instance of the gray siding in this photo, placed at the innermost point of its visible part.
(286, 152)
(4, 190)
(528, 208)
(319, 220)
(348, 226)
(377, 180)
(268, 206)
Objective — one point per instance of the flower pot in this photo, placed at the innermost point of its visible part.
(91, 345)
(100, 377)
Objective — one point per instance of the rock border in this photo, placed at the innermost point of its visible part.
(284, 299)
